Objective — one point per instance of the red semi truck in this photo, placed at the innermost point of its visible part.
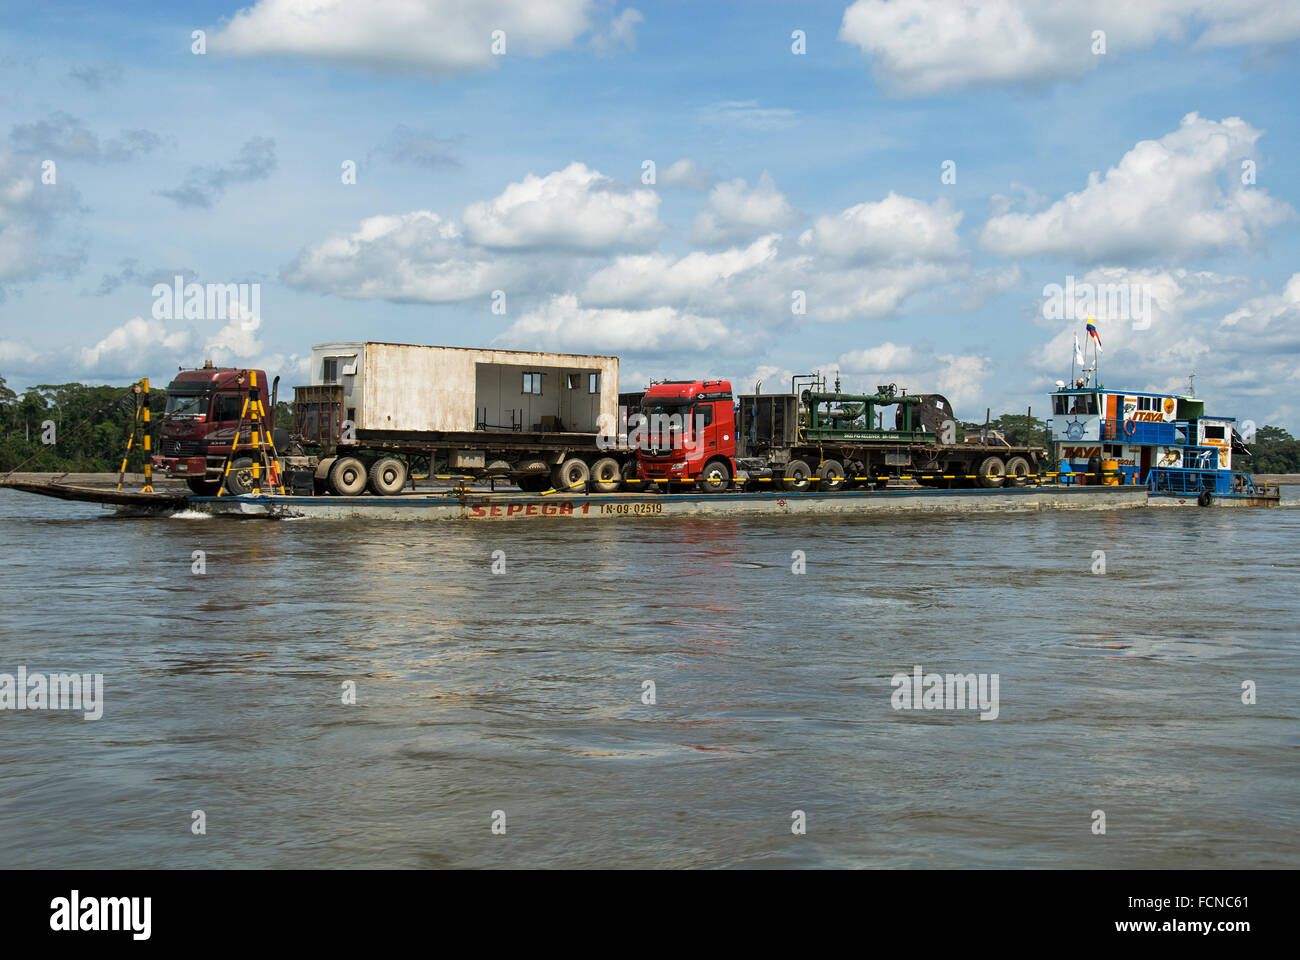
(198, 427)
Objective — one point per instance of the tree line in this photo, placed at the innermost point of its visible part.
(89, 426)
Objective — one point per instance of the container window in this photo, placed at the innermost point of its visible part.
(1213, 433)
(572, 380)
(593, 383)
(533, 383)
(330, 370)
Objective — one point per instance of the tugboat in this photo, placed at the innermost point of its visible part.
(1165, 442)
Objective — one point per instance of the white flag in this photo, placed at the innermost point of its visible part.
(1078, 351)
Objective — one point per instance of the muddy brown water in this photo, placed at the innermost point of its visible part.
(522, 691)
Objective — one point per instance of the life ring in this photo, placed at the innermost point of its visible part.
(1205, 499)
(1130, 427)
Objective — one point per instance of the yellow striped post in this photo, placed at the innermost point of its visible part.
(148, 446)
(130, 440)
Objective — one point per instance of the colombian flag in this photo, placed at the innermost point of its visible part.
(1092, 332)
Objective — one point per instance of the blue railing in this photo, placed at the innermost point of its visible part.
(1189, 481)
(1143, 431)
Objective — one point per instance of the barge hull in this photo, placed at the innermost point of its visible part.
(500, 507)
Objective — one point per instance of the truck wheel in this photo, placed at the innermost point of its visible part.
(1018, 472)
(204, 488)
(716, 477)
(606, 475)
(570, 476)
(831, 475)
(387, 476)
(532, 476)
(992, 472)
(348, 477)
(796, 476)
(239, 481)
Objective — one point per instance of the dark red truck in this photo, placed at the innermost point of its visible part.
(198, 428)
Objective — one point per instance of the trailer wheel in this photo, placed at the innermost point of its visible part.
(1018, 471)
(716, 477)
(606, 475)
(348, 477)
(239, 481)
(831, 475)
(570, 476)
(992, 472)
(796, 476)
(387, 476)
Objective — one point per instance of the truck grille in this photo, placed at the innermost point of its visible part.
(182, 448)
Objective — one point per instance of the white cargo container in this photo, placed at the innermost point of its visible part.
(530, 416)
(395, 386)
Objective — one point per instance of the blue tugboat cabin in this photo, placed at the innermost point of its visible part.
(1163, 441)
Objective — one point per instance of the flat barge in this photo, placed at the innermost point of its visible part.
(490, 506)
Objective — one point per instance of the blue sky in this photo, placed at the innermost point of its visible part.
(936, 286)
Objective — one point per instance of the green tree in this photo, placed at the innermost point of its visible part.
(1273, 450)
(91, 427)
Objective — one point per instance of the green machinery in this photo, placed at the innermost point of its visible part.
(840, 416)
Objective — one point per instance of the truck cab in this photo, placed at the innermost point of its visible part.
(687, 434)
(198, 427)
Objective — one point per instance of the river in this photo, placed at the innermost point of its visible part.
(519, 698)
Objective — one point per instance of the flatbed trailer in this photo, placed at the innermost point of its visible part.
(373, 411)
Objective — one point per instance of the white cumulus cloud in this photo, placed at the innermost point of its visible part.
(896, 228)
(417, 256)
(440, 37)
(564, 324)
(735, 211)
(572, 209)
(921, 47)
(1180, 196)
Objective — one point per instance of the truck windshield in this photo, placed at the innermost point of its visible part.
(665, 409)
(186, 402)
(663, 421)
